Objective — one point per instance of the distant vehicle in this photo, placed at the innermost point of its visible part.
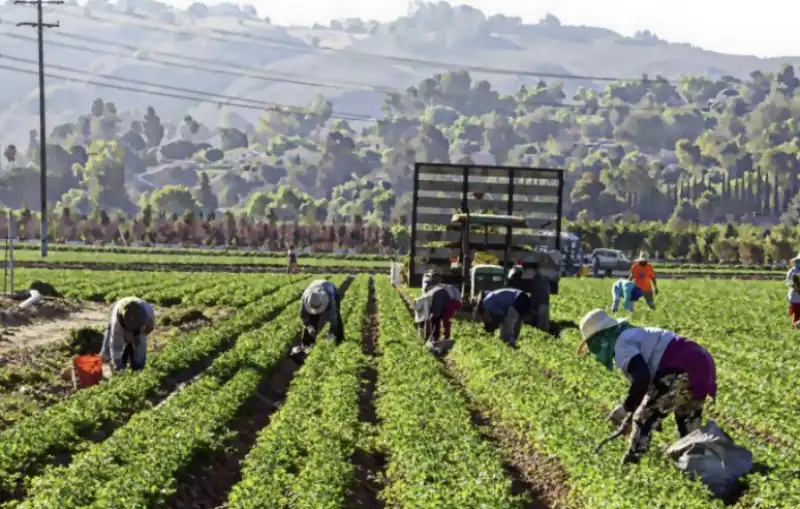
(612, 262)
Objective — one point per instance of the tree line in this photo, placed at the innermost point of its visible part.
(729, 243)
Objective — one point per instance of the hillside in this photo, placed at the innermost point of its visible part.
(124, 39)
(270, 141)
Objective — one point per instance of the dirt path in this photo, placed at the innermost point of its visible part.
(49, 323)
(369, 463)
(531, 473)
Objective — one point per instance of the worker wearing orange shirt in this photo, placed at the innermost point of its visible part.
(644, 277)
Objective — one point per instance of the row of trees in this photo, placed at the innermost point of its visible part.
(729, 243)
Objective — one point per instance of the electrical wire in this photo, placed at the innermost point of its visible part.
(163, 94)
(255, 103)
(539, 104)
(300, 47)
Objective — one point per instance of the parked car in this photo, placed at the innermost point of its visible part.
(612, 262)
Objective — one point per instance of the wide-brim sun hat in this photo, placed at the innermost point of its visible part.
(641, 258)
(596, 320)
(317, 302)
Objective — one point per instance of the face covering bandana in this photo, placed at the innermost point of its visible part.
(602, 344)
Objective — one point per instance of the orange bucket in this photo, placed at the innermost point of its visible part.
(88, 370)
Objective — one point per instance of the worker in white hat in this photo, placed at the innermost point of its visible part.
(644, 277)
(319, 306)
(668, 374)
(794, 293)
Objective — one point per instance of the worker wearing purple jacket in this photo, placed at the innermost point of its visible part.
(668, 374)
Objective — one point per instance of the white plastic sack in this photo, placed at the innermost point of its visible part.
(421, 310)
(711, 455)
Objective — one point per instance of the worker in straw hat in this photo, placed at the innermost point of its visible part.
(644, 277)
(125, 342)
(668, 374)
(319, 306)
(794, 290)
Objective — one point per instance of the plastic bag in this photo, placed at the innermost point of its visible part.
(710, 454)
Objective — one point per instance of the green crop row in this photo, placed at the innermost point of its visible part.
(558, 421)
(302, 460)
(137, 465)
(147, 257)
(178, 251)
(437, 457)
(33, 442)
(754, 363)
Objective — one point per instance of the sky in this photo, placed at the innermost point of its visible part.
(764, 28)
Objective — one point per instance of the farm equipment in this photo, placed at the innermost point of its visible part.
(472, 223)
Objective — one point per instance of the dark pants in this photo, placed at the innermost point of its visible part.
(668, 393)
(129, 359)
(435, 325)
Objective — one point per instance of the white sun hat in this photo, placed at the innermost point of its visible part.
(595, 321)
(316, 302)
(642, 257)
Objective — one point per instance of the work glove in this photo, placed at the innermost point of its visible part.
(617, 415)
(331, 337)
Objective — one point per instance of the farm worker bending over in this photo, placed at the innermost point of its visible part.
(644, 276)
(668, 374)
(319, 305)
(505, 308)
(626, 291)
(794, 291)
(443, 302)
(515, 277)
(132, 319)
(540, 300)
(292, 267)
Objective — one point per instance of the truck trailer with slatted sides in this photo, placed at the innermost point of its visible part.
(473, 216)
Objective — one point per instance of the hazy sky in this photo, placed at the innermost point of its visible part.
(763, 28)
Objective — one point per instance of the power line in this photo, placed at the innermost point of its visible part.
(255, 103)
(304, 48)
(538, 104)
(541, 104)
(291, 78)
(40, 25)
(164, 94)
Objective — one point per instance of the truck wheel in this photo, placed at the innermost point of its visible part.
(608, 273)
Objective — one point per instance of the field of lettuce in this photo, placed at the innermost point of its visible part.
(221, 417)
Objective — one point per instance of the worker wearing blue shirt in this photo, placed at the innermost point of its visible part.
(506, 309)
(625, 290)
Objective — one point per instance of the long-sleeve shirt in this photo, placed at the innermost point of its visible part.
(498, 302)
(625, 291)
(114, 341)
(662, 349)
(330, 289)
(439, 297)
(793, 295)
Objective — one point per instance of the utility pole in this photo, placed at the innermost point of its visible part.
(40, 25)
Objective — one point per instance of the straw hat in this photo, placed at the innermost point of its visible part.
(316, 302)
(596, 320)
